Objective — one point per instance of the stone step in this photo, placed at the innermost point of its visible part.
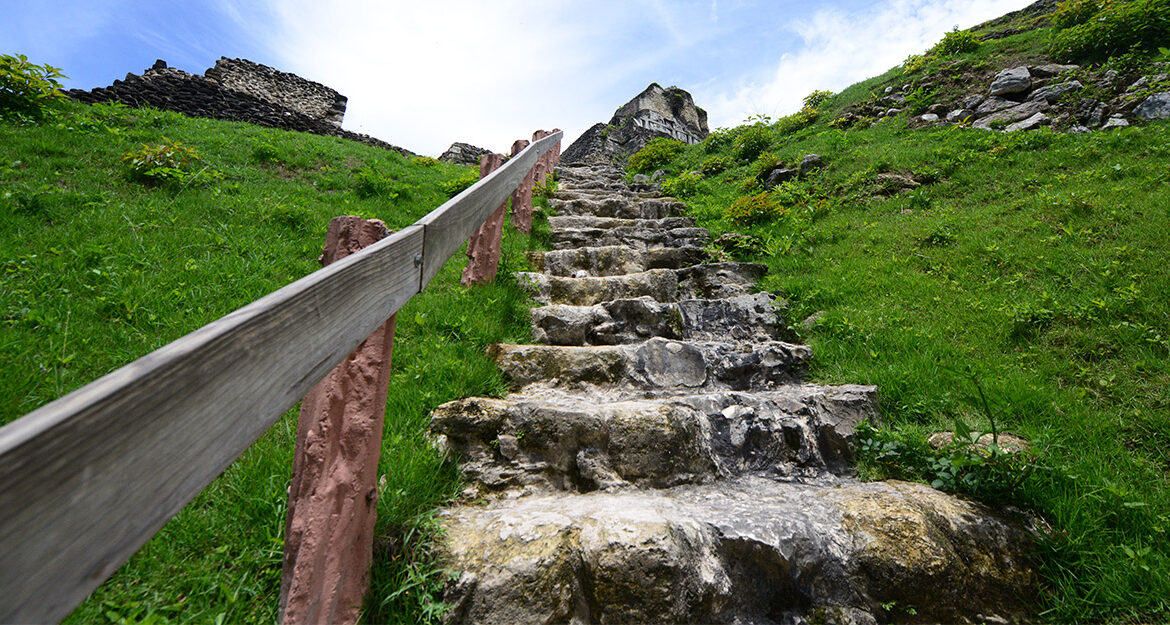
(614, 260)
(578, 222)
(632, 236)
(744, 318)
(526, 444)
(750, 550)
(709, 281)
(640, 208)
(654, 364)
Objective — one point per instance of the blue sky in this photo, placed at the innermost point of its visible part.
(424, 74)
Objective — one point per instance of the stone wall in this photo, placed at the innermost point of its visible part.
(281, 88)
(172, 89)
(463, 154)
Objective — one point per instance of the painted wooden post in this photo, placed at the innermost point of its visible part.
(483, 248)
(544, 166)
(332, 501)
(522, 196)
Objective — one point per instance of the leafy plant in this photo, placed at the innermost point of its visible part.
(169, 162)
(683, 185)
(455, 186)
(957, 42)
(920, 99)
(1071, 13)
(750, 142)
(658, 153)
(27, 89)
(816, 99)
(753, 208)
(1117, 28)
(370, 182)
(797, 121)
(716, 164)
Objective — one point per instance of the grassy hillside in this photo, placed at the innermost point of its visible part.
(101, 266)
(984, 280)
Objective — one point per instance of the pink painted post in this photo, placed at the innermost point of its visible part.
(543, 165)
(483, 249)
(522, 196)
(332, 501)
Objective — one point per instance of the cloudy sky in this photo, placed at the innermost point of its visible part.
(422, 74)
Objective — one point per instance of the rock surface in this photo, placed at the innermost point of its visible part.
(656, 112)
(660, 461)
(463, 154)
(1009, 81)
(1156, 106)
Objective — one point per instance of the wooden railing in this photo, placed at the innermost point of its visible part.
(87, 479)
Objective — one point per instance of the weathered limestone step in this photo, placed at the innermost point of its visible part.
(632, 236)
(747, 550)
(527, 444)
(752, 317)
(639, 208)
(709, 281)
(654, 364)
(614, 260)
(578, 222)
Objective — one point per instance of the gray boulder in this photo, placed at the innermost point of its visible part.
(1013, 114)
(811, 162)
(1116, 121)
(1050, 70)
(959, 115)
(993, 104)
(1052, 93)
(1156, 106)
(1009, 81)
(1035, 121)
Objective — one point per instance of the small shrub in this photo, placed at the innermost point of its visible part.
(957, 42)
(1118, 28)
(265, 153)
(816, 99)
(916, 63)
(425, 161)
(797, 121)
(369, 183)
(455, 186)
(683, 185)
(169, 162)
(753, 209)
(27, 89)
(750, 142)
(920, 99)
(716, 164)
(658, 153)
(1071, 13)
(718, 141)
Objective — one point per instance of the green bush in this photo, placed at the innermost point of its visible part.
(797, 121)
(169, 162)
(456, 186)
(369, 182)
(719, 140)
(683, 185)
(753, 209)
(750, 142)
(716, 164)
(27, 89)
(957, 42)
(1071, 13)
(816, 99)
(658, 153)
(1118, 28)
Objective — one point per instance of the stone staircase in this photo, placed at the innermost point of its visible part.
(660, 460)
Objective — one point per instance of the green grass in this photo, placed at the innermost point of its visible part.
(1034, 262)
(99, 270)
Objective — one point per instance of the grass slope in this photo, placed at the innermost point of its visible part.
(99, 270)
(1029, 267)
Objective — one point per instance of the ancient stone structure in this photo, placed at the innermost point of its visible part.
(333, 495)
(281, 88)
(236, 90)
(656, 112)
(463, 154)
(661, 461)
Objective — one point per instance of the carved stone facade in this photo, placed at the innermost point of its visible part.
(656, 112)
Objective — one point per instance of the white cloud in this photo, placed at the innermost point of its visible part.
(841, 48)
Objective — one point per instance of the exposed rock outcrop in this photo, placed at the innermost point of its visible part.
(659, 459)
(656, 112)
(463, 154)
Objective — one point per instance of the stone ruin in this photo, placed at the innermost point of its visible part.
(236, 90)
(463, 154)
(656, 112)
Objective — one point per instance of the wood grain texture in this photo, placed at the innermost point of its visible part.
(448, 226)
(90, 477)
